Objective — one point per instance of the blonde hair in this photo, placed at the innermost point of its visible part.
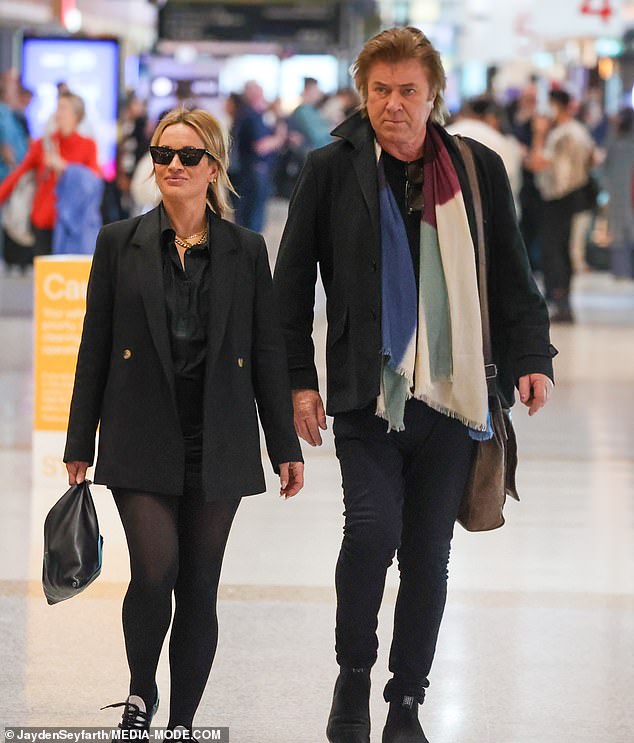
(215, 140)
(76, 103)
(396, 45)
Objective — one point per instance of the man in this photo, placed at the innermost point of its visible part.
(562, 157)
(24, 98)
(307, 120)
(620, 185)
(482, 119)
(14, 141)
(382, 211)
(258, 142)
(522, 114)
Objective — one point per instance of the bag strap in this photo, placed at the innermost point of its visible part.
(490, 368)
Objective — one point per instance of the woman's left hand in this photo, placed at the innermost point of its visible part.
(291, 478)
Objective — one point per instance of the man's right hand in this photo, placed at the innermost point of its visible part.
(76, 472)
(309, 415)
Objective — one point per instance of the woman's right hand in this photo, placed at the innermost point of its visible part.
(76, 472)
(54, 161)
(291, 478)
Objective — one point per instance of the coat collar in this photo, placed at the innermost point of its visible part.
(149, 265)
(224, 248)
(357, 131)
(223, 245)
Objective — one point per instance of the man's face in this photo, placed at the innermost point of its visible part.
(254, 95)
(557, 110)
(312, 94)
(400, 101)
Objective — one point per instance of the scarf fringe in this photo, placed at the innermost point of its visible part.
(403, 372)
(381, 413)
(434, 405)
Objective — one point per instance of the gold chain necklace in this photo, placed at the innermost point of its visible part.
(198, 238)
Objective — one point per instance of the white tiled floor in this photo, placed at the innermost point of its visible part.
(538, 638)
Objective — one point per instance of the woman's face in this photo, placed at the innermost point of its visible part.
(175, 181)
(66, 119)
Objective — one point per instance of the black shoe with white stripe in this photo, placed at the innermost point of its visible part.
(135, 715)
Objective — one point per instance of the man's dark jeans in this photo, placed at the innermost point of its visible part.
(402, 491)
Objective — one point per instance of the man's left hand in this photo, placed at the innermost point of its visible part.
(535, 391)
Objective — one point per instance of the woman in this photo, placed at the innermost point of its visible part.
(180, 342)
(49, 157)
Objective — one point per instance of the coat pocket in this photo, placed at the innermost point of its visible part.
(337, 328)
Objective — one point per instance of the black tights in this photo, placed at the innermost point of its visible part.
(176, 545)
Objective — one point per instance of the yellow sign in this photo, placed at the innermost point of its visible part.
(60, 305)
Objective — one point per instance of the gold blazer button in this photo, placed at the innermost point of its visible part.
(127, 353)
(241, 362)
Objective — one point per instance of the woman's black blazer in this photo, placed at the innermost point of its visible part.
(124, 379)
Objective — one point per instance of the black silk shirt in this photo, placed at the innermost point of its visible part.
(396, 176)
(187, 306)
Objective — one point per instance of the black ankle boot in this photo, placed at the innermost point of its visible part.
(562, 314)
(349, 720)
(402, 725)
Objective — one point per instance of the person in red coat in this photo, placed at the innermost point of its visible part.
(48, 157)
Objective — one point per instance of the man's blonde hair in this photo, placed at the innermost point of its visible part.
(396, 45)
(215, 139)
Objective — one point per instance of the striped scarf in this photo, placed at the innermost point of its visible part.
(432, 340)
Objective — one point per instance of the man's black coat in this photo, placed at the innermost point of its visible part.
(125, 379)
(333, 221)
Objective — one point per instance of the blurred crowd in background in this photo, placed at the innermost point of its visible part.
(570, 167)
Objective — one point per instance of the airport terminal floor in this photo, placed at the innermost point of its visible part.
(537, 642)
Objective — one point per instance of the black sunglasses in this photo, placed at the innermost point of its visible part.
(414, 186)
(187, 155)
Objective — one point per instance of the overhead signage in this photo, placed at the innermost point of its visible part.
(300, 24)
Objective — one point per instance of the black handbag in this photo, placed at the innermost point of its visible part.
(72, 545)
(492, 475)
(588, 195)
